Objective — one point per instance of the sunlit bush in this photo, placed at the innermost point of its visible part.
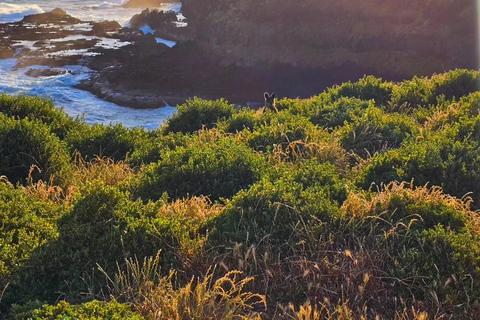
(42, 110)
(196, 113)
(113, 141)
(215, 169)
(375, 131)
(88, 311)
(24, 144)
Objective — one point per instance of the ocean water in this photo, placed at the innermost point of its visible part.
(60, 88)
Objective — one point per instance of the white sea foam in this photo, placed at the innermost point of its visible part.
(60, 88)
(74, 101)
(10, 12)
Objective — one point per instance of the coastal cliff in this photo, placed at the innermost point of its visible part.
(237, 49)
(406, 38)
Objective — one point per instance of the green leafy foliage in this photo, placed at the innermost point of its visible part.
(438, 160)
(39, 109)
(27, 223)
(301, 203)
(374, 131)
(273, 208)
(25, 143)
(216, 169)
(196, 113)
(88, 311)
(427, 91)
(113, 141)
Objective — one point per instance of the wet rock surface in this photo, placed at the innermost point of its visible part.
(36, 73)
(101, 28)
(57, 16)
(6, 52)
(155, 19)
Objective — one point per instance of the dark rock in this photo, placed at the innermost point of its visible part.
(72, 45)
(56, 16)
(145, 3)
(100, 28)
(6, 52)
(155, 19)
(45, 72)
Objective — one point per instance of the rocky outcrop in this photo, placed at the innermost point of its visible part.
(103, 27)
(412, 37)
(36, 73)
(56, 16)
(6, 52)
(155, 19)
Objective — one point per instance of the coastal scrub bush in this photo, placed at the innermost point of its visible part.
(330, 114)
(439, 160)
(42, 110)
(25, 143)
(216, 169)
(113, 141)
(427, 91)
(26, 224)
(151, 150)
(375, 131)
(366, 88)
(274, 207)
(244, 119)
(431, 239)
(281, 129)
(194, 114)
(103, 228)
(93, 310)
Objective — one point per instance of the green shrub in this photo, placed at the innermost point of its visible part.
(196, 113)
(104, 228)
(93, 310)
(427, 91)
(426, 236)
(273, 208)
(113, 141)
(151, 150)
(281, 129)
(25, 143)
(26, 224)
(42, 110)
(374, 131)
(331, 114)
(215, 169)
(367, 88)
(244, 119)
(438, 160)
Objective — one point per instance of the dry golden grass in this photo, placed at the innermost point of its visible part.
(206, 298)
(104, 169)
(189, 213)
(361, 204)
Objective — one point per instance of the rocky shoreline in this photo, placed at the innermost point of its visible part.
(213, 59)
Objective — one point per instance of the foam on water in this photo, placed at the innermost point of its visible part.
(10, 12)
(60, 88)
(74, 101)
(86, 10)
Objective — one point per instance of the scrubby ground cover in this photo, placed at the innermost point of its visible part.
(358, 203)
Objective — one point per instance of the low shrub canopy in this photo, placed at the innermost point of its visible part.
(25, 143)
(356, 203)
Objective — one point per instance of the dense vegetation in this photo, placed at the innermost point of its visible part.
(358, 203)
